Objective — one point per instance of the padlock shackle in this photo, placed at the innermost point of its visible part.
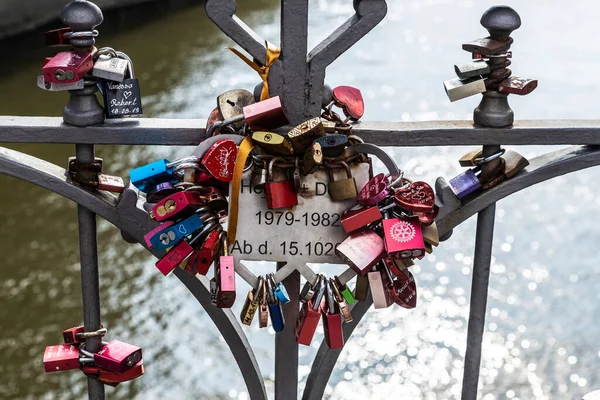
(125, 57)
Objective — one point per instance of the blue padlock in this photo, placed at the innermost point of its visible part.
(173, 234)
(148, 176)
(465, 183)
(275, 310)
(279, 290)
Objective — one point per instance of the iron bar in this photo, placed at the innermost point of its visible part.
(286, 348)
(90, 285)
(479, 291)
(187, 132)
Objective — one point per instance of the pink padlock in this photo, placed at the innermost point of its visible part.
(375, 191)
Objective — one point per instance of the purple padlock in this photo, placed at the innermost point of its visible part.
(160, 191)
(465, 183)
(375, 191)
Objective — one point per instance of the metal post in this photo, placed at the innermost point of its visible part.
(479, 290)
(90, 285)
(286, 348)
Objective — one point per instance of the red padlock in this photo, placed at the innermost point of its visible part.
(361, 250)
(56, 37)
(219, 159)
(62, 357)
(114, 378)
(280, 194)
(178, 205)
(403, 238)
(332, 321)
(201, 260)
(70, 335)
(68, 67)
(118, 356)
(360, 216)
(307, 323)
(174, 257)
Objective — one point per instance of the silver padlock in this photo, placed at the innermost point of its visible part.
(457, 89)
(58, 87)
(472, 69)
(232, 103)
(109, 66)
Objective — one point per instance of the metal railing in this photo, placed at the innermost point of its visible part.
(298, 77)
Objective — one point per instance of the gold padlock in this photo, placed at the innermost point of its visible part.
(344, 189)
(313, 158)
(468, 160)
(514, 163)
(273, 143)
(304, 135)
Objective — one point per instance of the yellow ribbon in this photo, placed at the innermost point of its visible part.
(273, 53)
(245, 148)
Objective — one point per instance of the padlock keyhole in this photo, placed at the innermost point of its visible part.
(231, 103)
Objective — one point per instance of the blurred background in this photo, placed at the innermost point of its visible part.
(542, 323)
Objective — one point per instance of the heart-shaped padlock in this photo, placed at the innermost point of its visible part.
(375, 191)
(350, 100)
(215, 116)
(418, 197)
(428, 218)
(404, 292)
(219, 160)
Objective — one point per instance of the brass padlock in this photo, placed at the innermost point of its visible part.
(468, 160)
(431, 235)
(313, 158)
(305, 134)
(343, 189)
(273, 143)
(514, 163)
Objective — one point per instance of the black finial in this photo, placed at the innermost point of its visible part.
(500, 21)
(82, 16)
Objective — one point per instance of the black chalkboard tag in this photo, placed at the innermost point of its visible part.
(122, 99)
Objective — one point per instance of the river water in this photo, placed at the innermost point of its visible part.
(541, 328)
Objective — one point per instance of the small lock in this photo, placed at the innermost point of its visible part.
(465, 183)
(359, 216)
(514, 163)
(260, 175)
(118, 356)
(457, 89)
(111, 183)
(147, 176)
(313, 158)
(68, 67)
(273, 143)
(173, 234)
(487, 46)
(343, 189)
(56, 37)
(379, 290)
(225, 275)
(251, 304)
(275, 310)
(109, 66)
(159, 192)
(333, 145)
(361, 290)
(302, 136)
(62, 357)
(403, 238)
(472, 69)
(59, 87)
(332, 320)
(123, 99)
(280, 194)
(350, 100)
(468, 160)
(232, 103)
(361, 250)
(519, 86)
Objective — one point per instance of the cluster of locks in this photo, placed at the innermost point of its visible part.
(84, 65)
(114, 363)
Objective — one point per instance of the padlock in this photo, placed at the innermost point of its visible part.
(68, 66)
(273, 143)
(343, 189)
(469, 159)
(457, 89)
(333, 145)
(404, 290)
(520, 86)
(279, 290)
(214, 116)
(251, 304)
(332, 322)
(171, 235)
(341, 302)
(114, 378)
(430, 234)
(213, 291)
(375, 191)
(177, 206)
(232, 103)
(225, 275)
(403, 238)
(379, 289)
(280, 194)
(263, 310)
(344, 290)
(174, 257)
(160, 192)
(302, 136)
(118, 356)
(110, 67)
(111, 183)
(59, 87)
(361, 250)
(307, 292)
(56, 37)
(329, 126)
(472, 69)
(313, 159)
(359, 216)
(487, 46)
(146, 177)
(350, 100)
(514, 163)
(361, 290)
(61, 357)
(260, 175)
(73, 335)
(465, 183)
(203, 258)
(417, 197)
(275, 310)
(308, 318)
(219, 159)
(123, 99)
